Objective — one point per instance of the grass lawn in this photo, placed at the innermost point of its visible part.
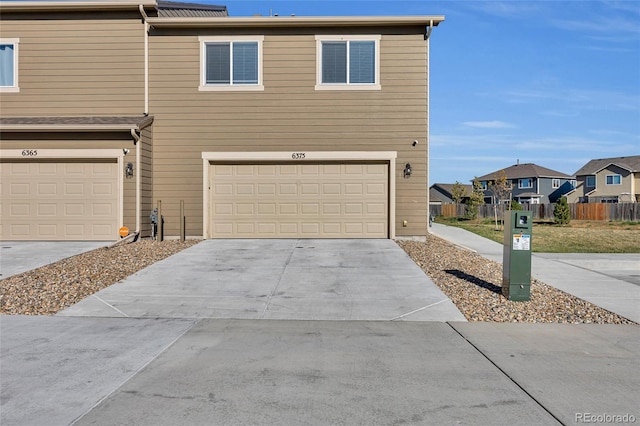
(577, 237)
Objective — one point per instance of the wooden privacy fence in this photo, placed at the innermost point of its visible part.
(579, 211)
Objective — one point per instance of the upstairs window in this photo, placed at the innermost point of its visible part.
(525, 183)
(555, 183)
(614, 180)
(231, 64)
(348, 63)
(591, 182)
(9, 65)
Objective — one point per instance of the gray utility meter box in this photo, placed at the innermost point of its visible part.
(516, 266)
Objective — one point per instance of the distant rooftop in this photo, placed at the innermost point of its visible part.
(631, 163)
(173, 9)
(525, 170)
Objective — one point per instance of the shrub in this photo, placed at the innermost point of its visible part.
(515, 205)
(561, 212)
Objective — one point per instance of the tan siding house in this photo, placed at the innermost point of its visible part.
(252, 123)
(610, 180)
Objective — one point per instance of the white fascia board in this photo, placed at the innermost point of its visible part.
(296, 21)
(36, 6)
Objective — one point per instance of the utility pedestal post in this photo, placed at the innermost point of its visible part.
(516, 265)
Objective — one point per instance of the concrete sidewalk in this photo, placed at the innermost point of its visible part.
(115, 371)
(606, 280)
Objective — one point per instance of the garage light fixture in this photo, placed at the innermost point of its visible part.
(128, 172)
(407, 170)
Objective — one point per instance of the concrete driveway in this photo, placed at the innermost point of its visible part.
(17, 257)
(278, 279)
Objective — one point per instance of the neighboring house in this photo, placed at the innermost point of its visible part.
(531, 183)
(608, 180)
(299, 127)
(441, 193)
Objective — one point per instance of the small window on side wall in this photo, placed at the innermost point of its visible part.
(348, 62)
(614, 180)
(231, 64)
(555, 183)
(9, 65)
(591, 182)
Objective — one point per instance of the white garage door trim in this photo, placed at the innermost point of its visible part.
(311, 156)
(62, 154)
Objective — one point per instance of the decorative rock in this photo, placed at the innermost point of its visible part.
(473, 283)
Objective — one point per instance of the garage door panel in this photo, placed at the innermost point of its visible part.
(59, 200)
(299, 200)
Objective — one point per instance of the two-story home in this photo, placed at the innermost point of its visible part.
(531, 184)
(254, 127)
(442, 193)
(608, 180)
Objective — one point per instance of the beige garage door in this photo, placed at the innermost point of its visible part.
(299, 200)
(54, 200)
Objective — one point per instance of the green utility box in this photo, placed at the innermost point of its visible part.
(516, 266)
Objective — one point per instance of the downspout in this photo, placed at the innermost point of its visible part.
(427, 35)
(146, 59)
(134, 132)
(136, 138)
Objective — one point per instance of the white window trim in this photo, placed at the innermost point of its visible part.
(347, 86)
(614, 175)
(203, 87)
(521, 186)
(15, 88)
(555, 183)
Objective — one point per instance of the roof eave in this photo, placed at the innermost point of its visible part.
(53, 6)
(23, 128)
(294, 21)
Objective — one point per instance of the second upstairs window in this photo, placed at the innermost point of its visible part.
(348, 63)
(525, 183)
(231, 64)
(9, 65)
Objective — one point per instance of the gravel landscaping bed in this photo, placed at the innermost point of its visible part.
(474, 284)
(54, 287)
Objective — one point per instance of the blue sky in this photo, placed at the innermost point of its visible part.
(555, 83)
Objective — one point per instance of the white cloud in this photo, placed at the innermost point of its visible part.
(495, 124)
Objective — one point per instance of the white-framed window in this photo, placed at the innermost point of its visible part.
(231, 63)
(613, 180)
(574, 183)
(9, 65)
(590, 182)
(348, 62)
(525, 183)
(555, 183)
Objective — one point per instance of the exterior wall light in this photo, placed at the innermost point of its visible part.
(128, 171)
(407, 170)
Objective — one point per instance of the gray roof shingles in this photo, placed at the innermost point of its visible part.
(631, 163)
(136, 121)
(526, 170)
(172, 9)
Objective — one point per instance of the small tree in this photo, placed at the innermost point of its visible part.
(500, 187)
(458, 192)
(475, 199)
(515, 205)
(561, 212)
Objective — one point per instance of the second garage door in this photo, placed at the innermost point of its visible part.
(322, 200)
(59, 200)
